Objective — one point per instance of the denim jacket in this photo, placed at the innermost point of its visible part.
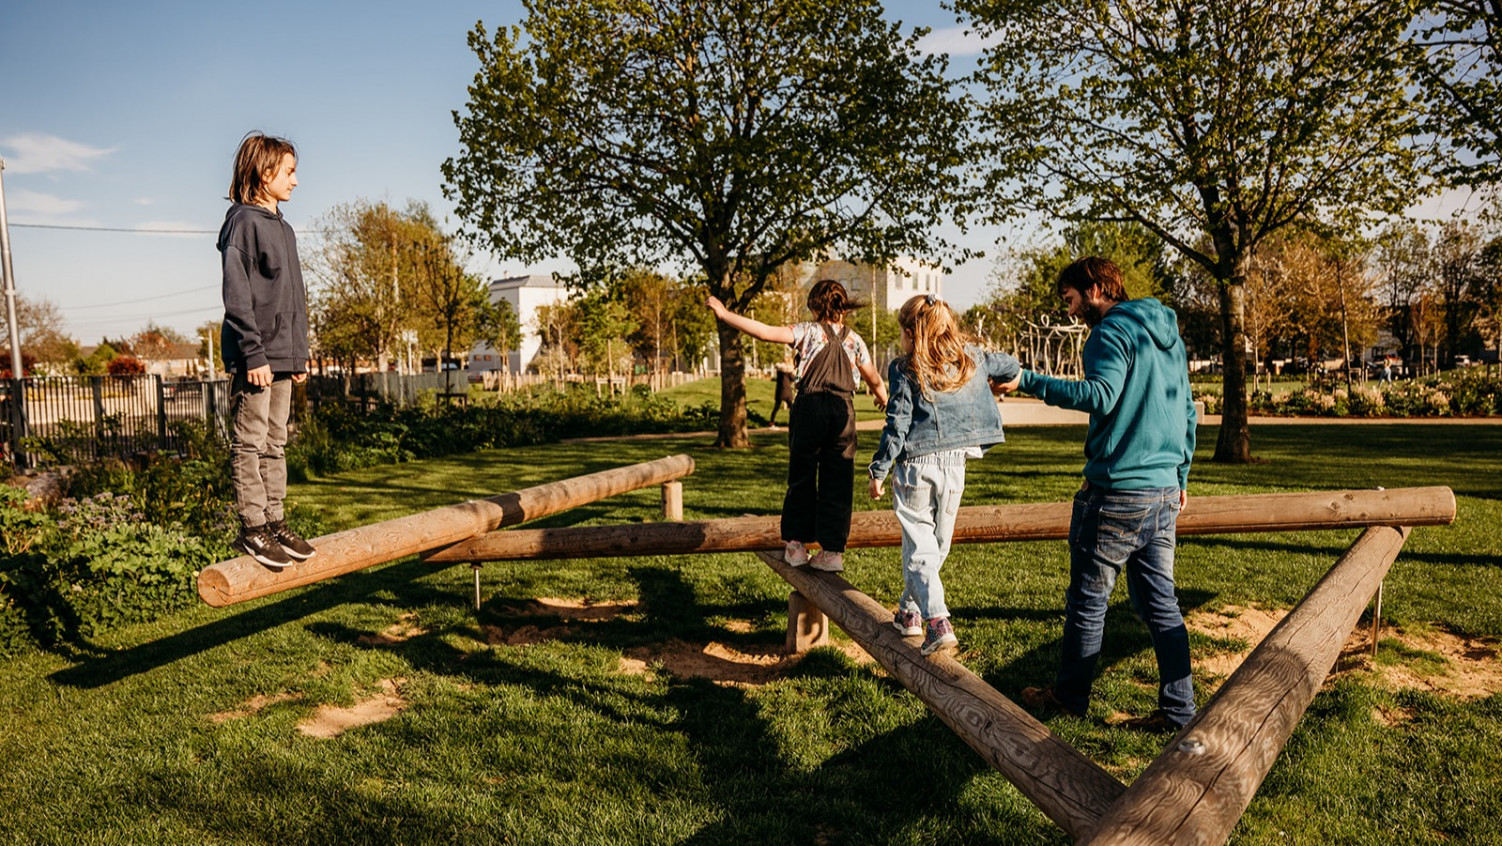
(918, 425)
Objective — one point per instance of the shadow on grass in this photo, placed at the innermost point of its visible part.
(1125, 636)
(110, 667)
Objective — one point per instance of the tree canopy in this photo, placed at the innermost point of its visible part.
(730, 137)
(1212, 123)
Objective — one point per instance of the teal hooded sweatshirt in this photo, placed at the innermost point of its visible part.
(1136, 391)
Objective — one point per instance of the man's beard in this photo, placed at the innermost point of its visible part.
(1092, 314)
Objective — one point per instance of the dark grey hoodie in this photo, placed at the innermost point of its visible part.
(265, 303)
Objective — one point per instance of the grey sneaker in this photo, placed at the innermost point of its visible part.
(294, 546)
(795, 554)
(259, 543)
(829, 562)
(939, 637)
(908, 622)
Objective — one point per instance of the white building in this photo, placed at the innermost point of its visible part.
(526, 294)
(885, 287)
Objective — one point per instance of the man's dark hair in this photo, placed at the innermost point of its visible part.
(1091, 271)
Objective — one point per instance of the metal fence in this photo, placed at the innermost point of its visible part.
(64, 419)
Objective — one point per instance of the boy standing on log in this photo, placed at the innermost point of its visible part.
(265, 343)
(1137, 454)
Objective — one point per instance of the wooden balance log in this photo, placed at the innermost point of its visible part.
(975, 524)
(239, 579)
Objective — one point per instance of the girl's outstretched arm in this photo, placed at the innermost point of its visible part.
(878, 390)
(751, 326)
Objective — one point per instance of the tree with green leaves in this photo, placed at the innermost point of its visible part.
(730, 137)
(1212, 123)
(1462, 40)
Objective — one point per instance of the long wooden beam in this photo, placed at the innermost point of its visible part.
(1196, 790)
(239, 579)
(1070, 788)
(974, 524)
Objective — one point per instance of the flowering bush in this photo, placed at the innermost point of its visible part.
(1456, 394)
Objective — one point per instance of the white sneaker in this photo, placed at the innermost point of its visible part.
(795, 554)
(829, 562)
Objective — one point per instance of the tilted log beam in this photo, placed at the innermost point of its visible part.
(1196, 790)
(239, 579)
(974, 524)
(1070, 788)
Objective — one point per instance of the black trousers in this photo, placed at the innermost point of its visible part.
(821, 470)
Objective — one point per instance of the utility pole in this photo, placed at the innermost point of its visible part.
(10, 285)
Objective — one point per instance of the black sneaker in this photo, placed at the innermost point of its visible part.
(259, 543)
(293, 545)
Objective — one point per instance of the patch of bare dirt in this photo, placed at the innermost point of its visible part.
(332, 721)
(405, 628)
(252, 706)
(718, 662)
(1470, 667)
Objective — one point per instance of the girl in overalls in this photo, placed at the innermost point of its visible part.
(821, 426)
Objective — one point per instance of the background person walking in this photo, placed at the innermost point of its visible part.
(1137, 454)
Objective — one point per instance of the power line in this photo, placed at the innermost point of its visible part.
(116, 229)
(143, 299)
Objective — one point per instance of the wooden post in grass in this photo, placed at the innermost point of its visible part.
(672, 501)
(1197, 789)
(1070, 788)
(973, 524)
(807, 625)
(239, 579)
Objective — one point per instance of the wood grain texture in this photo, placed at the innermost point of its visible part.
(974, 524)
(239, 579)
(1195, 792)
(1070, 788)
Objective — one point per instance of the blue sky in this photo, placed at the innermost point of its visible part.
(127, 115)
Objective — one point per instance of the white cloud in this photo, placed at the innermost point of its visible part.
(36, 153)
(955, 41)
(45, 205)
(144, 201)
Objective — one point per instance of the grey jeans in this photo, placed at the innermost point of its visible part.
(258, 464)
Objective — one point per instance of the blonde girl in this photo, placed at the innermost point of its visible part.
(941, 412)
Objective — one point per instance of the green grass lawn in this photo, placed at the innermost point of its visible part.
(524, 725)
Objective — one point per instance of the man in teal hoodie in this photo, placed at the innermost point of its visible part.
(1137, 454)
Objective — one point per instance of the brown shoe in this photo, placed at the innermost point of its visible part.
(1045, 700)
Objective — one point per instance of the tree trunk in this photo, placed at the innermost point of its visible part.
(1235, 441)
(732, 389)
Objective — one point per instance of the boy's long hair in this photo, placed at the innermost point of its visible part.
(829, 301)
(259, 157)
(939, 361)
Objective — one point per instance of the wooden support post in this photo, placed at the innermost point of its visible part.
(672, 501)
(807, 625)
(973, 524)
(243, 578)
(1196, 790)
(1070, 788)
(1377, 618)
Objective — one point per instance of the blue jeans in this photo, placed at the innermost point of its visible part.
(1135, 530)
(926, 496)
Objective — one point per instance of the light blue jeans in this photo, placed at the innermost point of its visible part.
(926, 496)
